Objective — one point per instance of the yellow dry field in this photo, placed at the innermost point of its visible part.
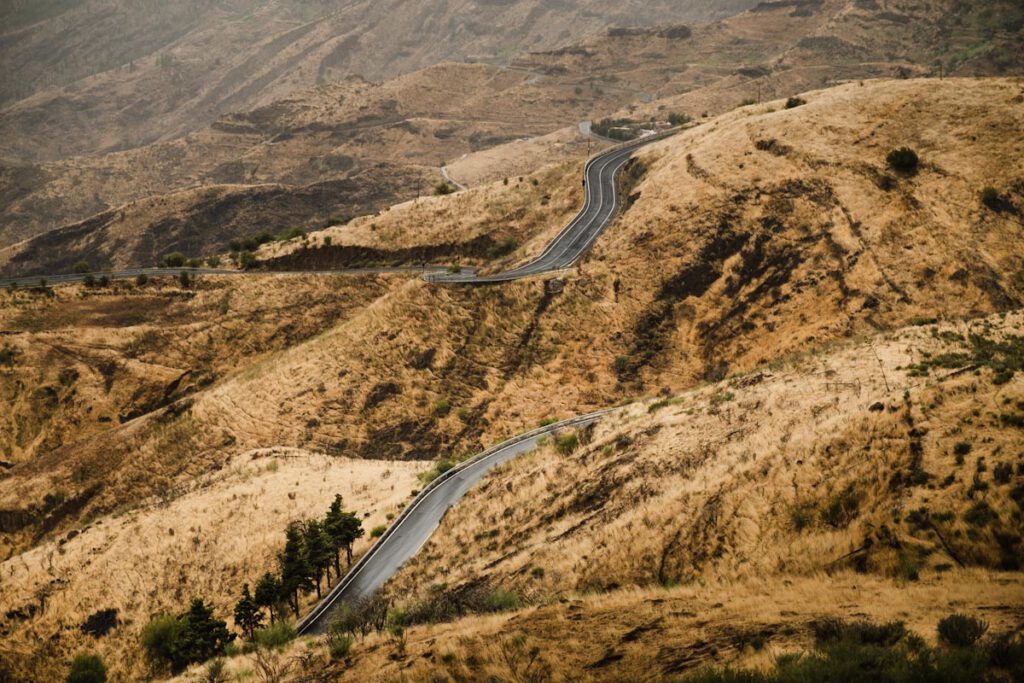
(204, 539)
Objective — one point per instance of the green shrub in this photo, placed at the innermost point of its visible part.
(174, 260)
(454, 269)
(160, 637)
(443, 188)
(141, 279)
(961, 630)
(246, 260)
(82, 267)
(191, 638)
(89, 280)
(678, 119)
(501, 601)
(436, 471)
(794, 102)
(184, 279)
(990, 197)
(903, 159)
(566, 443)
(213, 262)
(340, 646)
(276, 635)
(442, 408)
(327, 241)
(378, 531)
(861, 632)
(87, 669)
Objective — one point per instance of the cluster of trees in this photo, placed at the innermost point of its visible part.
(189, 638)
(312, 549)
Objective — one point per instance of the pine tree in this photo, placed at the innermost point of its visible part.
(268, 594)
(296, 572)
(334, 527)
(318, 552)
(352, 530)
(248, 615)
(203, 636)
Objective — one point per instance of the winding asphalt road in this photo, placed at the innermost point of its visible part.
(414, 526)
(575, 238)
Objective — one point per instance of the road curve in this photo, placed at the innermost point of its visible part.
(414, 526)
(572, 242)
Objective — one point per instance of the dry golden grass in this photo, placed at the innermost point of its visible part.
(732, 255)
(653, 634)
(203, 540)
(750, 477)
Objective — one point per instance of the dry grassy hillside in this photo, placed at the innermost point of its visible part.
(107, 75)
(847, 459)
(839, 483)
(204, 539)
(778, 49)
(879, 479)
(762, 233)
(386, 140)
(655, 634)
(730, 256)
(327, 143)
(80, 361)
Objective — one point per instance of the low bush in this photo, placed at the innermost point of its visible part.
(903, 159)
(378, 531)
(82, 267)
(175, 259)
(794, 102)
(443, 188)
(961, 630)
(566, 443)
(868, 653)
(339, 646)
(87, 669)
(842, 509)
(276, 635)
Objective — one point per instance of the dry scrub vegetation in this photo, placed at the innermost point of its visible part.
(763, 233)
(821, 462)
(203, 539)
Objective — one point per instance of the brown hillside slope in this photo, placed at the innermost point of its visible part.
(831, 484)
(415, 122)
(730, 256)
(205, 539)
(109, 74)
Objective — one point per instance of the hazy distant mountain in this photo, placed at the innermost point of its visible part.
(112, 74)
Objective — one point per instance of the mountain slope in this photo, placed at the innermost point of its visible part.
(113, 74)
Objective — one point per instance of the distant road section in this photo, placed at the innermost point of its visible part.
(66, 278)
(572, 242)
